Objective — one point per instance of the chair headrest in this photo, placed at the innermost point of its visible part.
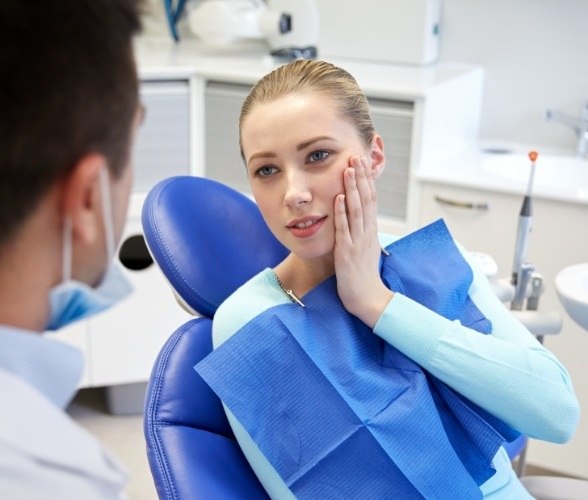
(208, 239)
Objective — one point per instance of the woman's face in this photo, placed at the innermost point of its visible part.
(296, 149)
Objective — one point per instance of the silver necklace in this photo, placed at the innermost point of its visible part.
(293, 297)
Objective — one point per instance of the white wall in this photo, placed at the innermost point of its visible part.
(535, 53)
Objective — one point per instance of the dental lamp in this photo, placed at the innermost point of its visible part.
(290, 27)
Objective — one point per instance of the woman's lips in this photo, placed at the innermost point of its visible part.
(304, 228)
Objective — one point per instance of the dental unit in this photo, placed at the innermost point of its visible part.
(290, 27)
(521, 272)
(525, 286)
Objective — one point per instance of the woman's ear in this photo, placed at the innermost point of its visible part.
(377, 156)
(81, 198)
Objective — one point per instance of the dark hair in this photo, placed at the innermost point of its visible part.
(68, 87)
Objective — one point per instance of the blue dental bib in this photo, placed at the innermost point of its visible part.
(341, 414)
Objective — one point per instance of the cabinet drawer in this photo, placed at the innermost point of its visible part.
(487, 221)
(481, 221)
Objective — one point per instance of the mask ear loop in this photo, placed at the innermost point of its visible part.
(107, 213)
(108, 228)
(67, 250)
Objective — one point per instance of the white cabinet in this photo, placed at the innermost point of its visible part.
(163, 144)
(482, 221)
(486, 221)
(222, 105)
(394, 121)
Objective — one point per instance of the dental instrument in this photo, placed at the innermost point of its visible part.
(521, 272)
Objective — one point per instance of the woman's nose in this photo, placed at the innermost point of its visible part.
(297, 190)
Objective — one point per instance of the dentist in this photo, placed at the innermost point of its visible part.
(69, 109)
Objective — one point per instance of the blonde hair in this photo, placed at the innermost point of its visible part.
(312, 76)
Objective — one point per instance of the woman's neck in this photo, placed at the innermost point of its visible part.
(301, 275)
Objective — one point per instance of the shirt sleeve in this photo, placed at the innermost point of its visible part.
(243, 305)
(508, 373)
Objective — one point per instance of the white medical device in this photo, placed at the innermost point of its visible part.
(382, 31)
(290, 27)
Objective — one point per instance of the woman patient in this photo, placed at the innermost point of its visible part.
(367, 365)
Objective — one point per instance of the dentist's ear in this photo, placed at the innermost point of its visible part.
(377, 156)
(81, 198)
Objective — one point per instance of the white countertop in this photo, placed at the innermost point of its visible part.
(161, 58)
(558, 175)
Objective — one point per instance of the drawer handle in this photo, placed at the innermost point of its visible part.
(462, 204)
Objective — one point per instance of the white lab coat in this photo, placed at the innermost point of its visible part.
(44, 454)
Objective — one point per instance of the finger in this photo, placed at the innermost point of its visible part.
(367, 193)
(364, 191)
(371, 178)
(353, 202)
(373, 196)
(342, 235)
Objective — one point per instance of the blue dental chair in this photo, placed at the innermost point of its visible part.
(195, 229)
(191, 448)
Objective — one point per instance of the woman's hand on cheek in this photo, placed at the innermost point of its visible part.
(357, 248)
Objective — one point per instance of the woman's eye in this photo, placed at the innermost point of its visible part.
(318, 156)
(265, 171)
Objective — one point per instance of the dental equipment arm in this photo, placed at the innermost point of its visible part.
(290, 27)
(525, 284)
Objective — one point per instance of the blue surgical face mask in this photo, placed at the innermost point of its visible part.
(73, 300)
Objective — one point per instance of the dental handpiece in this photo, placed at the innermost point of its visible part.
(524, 225)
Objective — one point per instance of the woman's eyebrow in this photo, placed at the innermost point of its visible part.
(299, 147)
(261, 154)
(305, 144)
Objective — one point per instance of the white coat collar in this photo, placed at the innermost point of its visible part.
(52, 367)
(32, 425)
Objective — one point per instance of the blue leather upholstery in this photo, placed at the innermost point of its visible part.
(191, 449)
(195, 229)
